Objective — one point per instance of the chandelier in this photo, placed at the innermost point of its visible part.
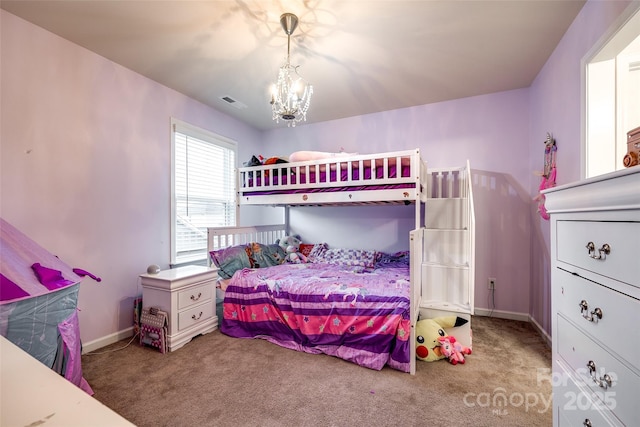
(290, 95)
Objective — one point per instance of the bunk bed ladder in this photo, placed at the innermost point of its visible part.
(447, 268)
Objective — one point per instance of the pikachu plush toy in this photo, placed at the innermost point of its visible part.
(428, 332)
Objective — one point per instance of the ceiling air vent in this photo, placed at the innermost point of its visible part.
(234, 103)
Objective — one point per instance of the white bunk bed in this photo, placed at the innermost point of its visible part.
(362, 179)
(367, 180)
(447, 258)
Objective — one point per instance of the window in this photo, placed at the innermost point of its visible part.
(202, 189)
(612, 73)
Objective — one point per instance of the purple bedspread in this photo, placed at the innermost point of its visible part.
(362, 317)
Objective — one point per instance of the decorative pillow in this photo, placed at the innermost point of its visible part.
(352, 257)
(395, 260)
(229, 260)
(252, 255)
(306, 248)
(265, 255)
(317, 251)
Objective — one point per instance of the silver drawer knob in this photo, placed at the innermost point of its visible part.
(602, 252)
(594, 316)
(604, 381)
(587, 422)
(590, 248)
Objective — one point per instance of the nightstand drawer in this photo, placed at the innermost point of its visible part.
(578, 351)
(195, 315)
(195, 295)
(620, 239)
(571, 294)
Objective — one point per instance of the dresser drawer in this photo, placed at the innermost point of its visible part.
(195, 315)
(577, 350)
(619, 313)
(195, 295)
(575, 405)
(621, 237)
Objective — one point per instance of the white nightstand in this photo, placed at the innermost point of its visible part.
(188, 295)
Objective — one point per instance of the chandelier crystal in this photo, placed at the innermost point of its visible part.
(291, 94)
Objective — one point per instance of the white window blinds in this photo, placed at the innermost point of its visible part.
(203, 189)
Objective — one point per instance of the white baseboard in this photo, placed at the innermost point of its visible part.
(541, 331)
(511, 315)
(94, 345)
(500, 314)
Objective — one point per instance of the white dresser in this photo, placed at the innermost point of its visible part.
(188, 295)
(595, 300)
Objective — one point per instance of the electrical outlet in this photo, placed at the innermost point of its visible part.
(491, 283)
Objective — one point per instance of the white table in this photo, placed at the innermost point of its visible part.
(33, 394)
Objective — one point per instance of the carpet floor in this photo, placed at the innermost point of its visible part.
(216, 380)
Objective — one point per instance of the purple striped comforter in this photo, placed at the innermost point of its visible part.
(360, 316)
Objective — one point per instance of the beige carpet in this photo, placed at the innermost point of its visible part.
(216, 380)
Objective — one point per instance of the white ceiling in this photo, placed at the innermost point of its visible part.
(362, 56)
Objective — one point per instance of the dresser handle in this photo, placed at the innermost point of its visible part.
(594, 316)
(604, 250)
(605, 381)
(196, 298)
(197, 318)
(591, 248)
(587, 422)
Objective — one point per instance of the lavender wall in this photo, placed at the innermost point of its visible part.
(86, 163)
(491, 131)
(556, 107)
(502, 134)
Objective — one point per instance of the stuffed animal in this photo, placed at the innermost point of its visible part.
(260, 161)
(291, 245)
(428, 331)
(453, 350)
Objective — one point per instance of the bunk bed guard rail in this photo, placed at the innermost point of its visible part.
(393, 177)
